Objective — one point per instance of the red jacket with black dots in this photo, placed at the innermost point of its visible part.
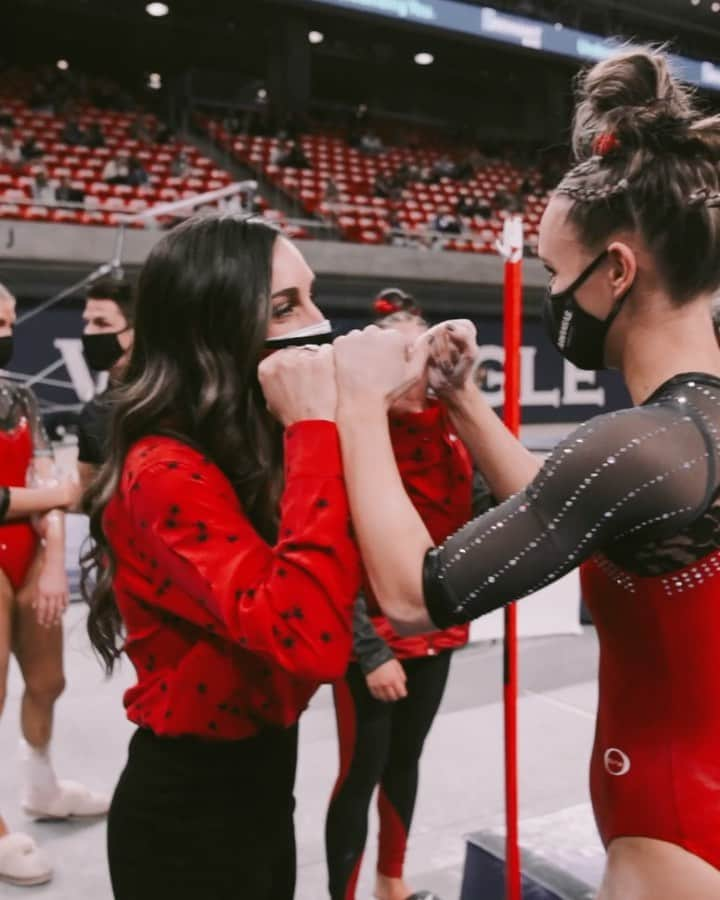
(437, 474)
(228, 634)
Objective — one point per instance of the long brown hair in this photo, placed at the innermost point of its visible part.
(647, 159)
(201, 318)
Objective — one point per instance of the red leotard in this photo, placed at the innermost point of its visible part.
(633, 496)
(18, 540)
(655, 768)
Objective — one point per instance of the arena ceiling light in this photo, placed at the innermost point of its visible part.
(715, 7)
(424, 59)
(316, 37)
(154, 81)
(157, 9)
(63, 65)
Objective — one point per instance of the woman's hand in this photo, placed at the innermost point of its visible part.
(53, 594)
(377, 365)
(299, 383)
(388, 682)
(453, 356)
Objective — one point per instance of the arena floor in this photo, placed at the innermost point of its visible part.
(461, 785)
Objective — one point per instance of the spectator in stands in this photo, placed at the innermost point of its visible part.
(371, 144)
(6, 119)
(116, 170)
(95, 137)
(66, 193)
(42, 190)
(294, 157)
(501, 201)
(384, 187)
(180, 166)
(137, 176)
(484, 210)
(139, 130)
(164, 134)
(10, 153)
(469, 165)
(446, 223)
(72, 134)
(332, 192)
(30, 150)
(467, 205)
(444, 168)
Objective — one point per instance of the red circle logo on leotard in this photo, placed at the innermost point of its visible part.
(616, 762)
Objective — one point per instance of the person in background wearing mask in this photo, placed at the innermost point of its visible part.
(33, 597)
(107, 342)
(388, 699)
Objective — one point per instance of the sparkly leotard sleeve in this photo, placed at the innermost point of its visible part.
(632, 497)
(634, 483)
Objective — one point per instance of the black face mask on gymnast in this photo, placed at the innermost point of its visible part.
(6, 350)
(578, 335)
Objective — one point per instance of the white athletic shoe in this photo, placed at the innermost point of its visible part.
(70, 801)
(22, 862)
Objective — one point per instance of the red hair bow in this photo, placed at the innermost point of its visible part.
(605, 143)
(385, 307)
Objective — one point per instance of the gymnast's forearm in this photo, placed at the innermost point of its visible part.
(21, 503)
(392, 537)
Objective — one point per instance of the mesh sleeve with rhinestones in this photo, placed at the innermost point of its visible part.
(638, 475)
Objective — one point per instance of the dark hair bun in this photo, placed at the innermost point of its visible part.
(394, 300)
(630, 101)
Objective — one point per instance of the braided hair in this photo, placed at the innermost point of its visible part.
(647, 160)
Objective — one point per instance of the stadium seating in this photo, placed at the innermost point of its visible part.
(364, 218)
(104, 203)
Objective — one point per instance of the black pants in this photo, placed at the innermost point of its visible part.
(380, 743)
(201, 820)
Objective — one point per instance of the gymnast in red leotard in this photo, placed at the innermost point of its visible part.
(631, 239)
(33, 596)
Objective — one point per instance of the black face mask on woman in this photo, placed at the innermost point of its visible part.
(6, 350)
(317, 333)
(579, 336)
(103, 350)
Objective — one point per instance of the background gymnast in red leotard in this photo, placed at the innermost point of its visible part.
(632, 243)
(33, 596)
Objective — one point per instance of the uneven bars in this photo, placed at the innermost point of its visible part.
(115, 263)
(198, 200)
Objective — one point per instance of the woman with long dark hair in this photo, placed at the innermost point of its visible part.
(631, 240)
(224, 558)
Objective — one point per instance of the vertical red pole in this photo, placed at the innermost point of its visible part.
(512, 328)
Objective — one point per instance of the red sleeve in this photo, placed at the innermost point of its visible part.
(292, 602)
(436, 472)
(435, 468)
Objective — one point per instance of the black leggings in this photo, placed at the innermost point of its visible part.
(380, 743)
(196, 819)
